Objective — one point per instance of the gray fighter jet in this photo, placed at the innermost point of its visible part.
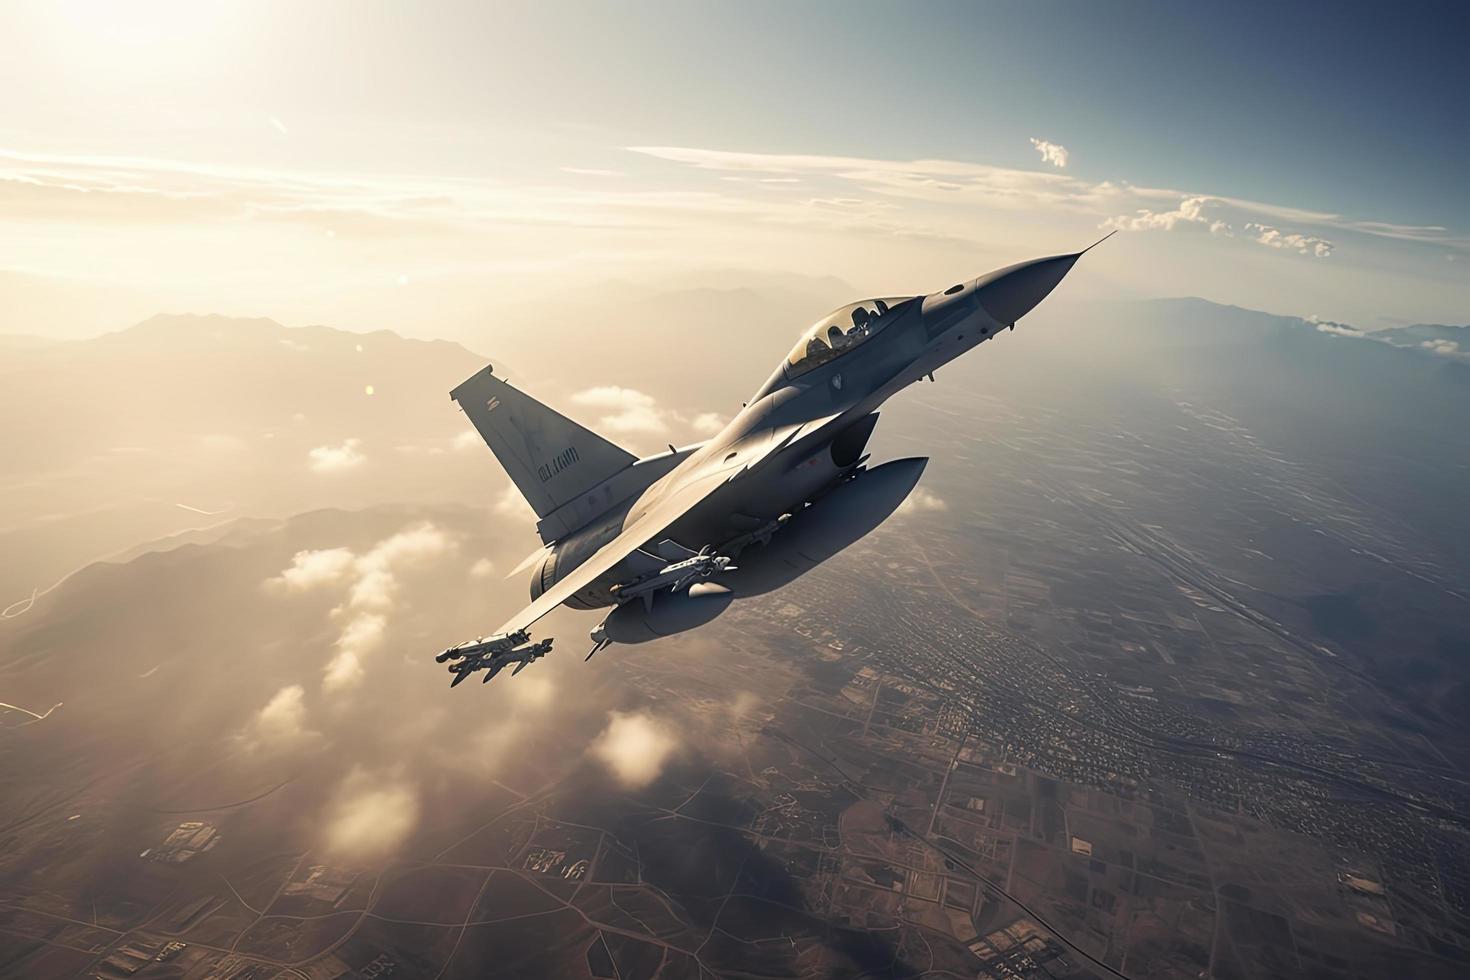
(669, 541)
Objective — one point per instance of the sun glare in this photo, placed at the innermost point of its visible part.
(147, 37)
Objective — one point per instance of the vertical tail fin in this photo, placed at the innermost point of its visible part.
(551, 459)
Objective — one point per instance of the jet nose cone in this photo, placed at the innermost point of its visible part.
(1010, 293)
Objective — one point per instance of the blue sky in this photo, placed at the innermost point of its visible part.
(866, 140)
(1316, 102)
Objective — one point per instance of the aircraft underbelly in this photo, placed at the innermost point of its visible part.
(759, 485)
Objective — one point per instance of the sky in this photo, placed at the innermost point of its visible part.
(415, 167)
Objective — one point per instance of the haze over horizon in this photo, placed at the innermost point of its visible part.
(362, 167)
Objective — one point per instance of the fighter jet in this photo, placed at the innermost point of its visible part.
(667, 542)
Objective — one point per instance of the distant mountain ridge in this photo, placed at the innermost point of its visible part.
(1186, 317)
(186, 420)
(206, 328)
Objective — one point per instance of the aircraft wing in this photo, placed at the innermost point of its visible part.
(658, 517)
(649, 525)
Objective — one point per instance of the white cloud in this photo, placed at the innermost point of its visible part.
(483, 568)
(1202, 213)
(284, 715)
(633, 747)
(343, 672)
(1052, 153)
(377, 584)
(466, 440)
(372, 591)
(310, 569)
(1441, 346)
(413, 545)
(372, 596)
(371, 815)
(334, 459)
(510, 503)
(1276, 238)
(1337, 329)
(628, 410)
(1189, 214)
(360, 638)
(708, 423)
(921, 501)
(635, 420)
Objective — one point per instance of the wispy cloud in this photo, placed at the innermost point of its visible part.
(707, 423)
(104, 189)
(371, 815)
(592, 172)
(360, 638)
(281, 723)
(939, 180)
(511, 503)
(1119, 203)
(627, 410)
(921, 501)
(371, 586)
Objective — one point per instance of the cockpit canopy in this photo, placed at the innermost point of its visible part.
(840, 331)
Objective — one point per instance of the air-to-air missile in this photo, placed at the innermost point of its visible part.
(500, 643)
(493, 655)
(677, 577)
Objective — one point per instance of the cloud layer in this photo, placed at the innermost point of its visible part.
(374, 249)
